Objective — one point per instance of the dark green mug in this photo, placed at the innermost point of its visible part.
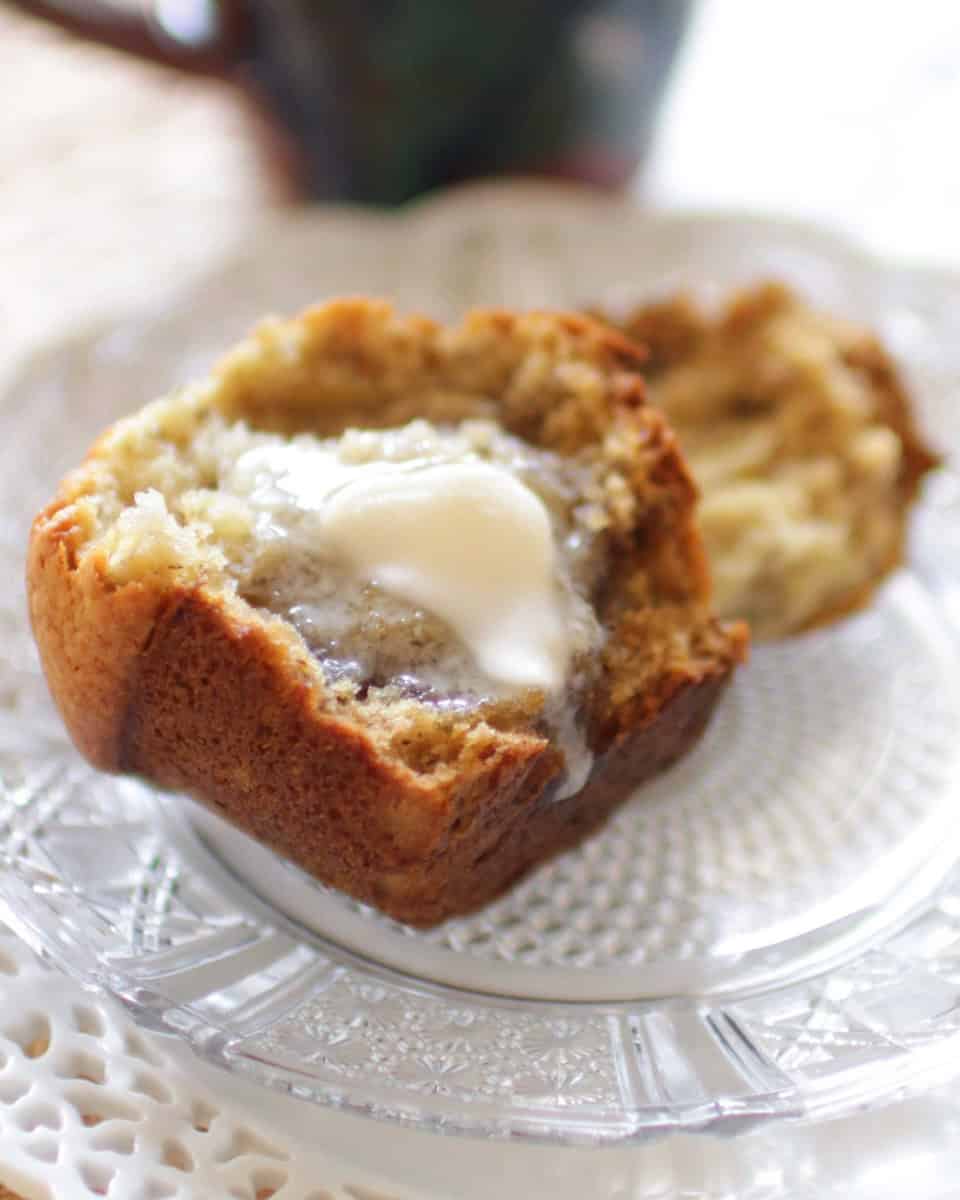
(383, 99)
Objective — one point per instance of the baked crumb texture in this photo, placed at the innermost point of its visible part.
(163, 667)
(798, 431)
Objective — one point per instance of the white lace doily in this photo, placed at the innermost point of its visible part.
(91, 1106)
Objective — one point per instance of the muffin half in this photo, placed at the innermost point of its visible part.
(415, 606)
(800, 435)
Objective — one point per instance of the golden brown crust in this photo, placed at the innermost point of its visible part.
(90, 633)
(192, 688)
(894, 409)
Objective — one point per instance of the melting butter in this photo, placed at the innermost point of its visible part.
(466, 540)
(470, 543)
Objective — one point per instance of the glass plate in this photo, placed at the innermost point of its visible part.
(770, 929)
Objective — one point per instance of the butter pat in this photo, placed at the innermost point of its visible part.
(468, 542)
(452, 534)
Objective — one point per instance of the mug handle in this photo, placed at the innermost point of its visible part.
(203, 36)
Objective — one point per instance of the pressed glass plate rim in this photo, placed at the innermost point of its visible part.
(839, 1093)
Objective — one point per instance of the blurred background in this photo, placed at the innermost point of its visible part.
(119, 173)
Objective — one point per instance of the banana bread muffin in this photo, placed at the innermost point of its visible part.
(798, 430)
(415, 606)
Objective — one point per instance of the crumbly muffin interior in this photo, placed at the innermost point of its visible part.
(204, 508)
(797, 431)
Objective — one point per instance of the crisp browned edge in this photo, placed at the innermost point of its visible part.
(918, 460)
(171, 684)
